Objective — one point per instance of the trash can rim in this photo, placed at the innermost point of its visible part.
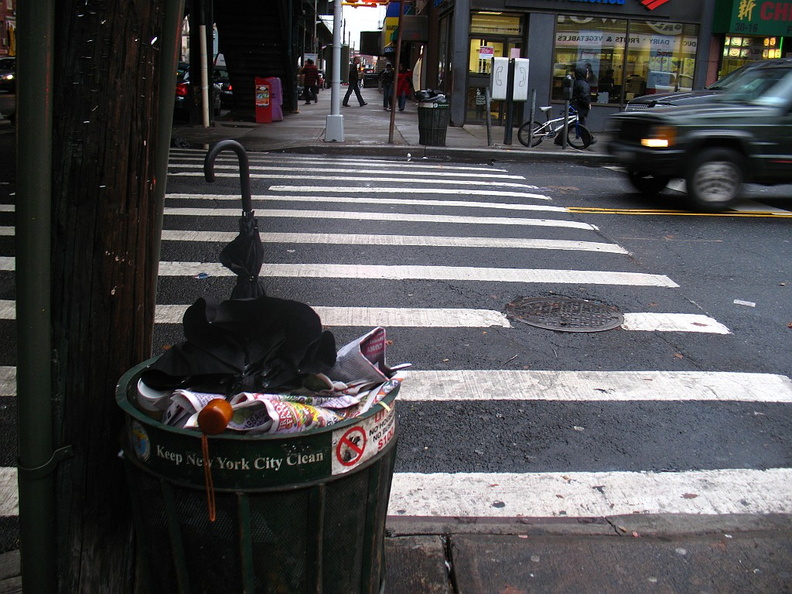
(129, 379)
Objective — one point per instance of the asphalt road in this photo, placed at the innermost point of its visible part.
(468, 240)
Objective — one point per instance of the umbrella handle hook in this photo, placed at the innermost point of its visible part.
(244, 169)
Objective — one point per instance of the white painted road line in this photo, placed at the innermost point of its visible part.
(9, 496)
(386, 181)
(7, 263)
(422, 191)
(7, 380)
(673, 322)
(408, 317)
(595, 386)
(261, 160)
(389, 317)
(591, 494)
(372, 173)
(401, 240)
(379, 216)
(444, 273)
(369, 201)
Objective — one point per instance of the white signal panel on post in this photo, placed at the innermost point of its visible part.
(499, 78)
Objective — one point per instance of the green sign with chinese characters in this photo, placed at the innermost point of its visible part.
(754, 17)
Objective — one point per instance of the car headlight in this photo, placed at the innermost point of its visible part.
(659, 137)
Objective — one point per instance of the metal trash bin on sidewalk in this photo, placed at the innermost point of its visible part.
(432, 123)
(301, 512)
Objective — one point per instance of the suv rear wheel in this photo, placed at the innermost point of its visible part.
(646, 183)
(714, 179)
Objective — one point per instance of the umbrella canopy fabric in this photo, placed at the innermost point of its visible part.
(245, 254)
(238, 345)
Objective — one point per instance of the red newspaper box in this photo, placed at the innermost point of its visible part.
(263, 101)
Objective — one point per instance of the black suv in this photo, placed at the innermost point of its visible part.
(742, 135)
(706, 94)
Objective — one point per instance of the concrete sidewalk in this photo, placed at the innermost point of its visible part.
(367, 130)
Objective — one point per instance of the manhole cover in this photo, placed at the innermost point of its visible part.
(565, 315)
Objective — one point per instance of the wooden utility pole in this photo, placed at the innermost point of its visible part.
(113, 73)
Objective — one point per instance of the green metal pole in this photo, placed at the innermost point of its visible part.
(171, 47)
(34, 387)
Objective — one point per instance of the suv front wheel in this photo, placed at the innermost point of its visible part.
(714, 179)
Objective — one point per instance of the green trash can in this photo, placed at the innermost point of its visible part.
(300, 512)
(432, 123)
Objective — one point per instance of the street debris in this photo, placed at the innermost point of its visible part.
(745, 303)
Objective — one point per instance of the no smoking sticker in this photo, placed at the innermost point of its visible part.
(354, 445)
(350, 448)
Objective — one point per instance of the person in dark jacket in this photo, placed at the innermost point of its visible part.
(354, 84)
(310, 82)
(386, 79)
(581, 95)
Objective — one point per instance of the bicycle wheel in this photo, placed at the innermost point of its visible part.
(523, 134)
(578, 137)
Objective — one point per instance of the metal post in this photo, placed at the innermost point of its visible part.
(565, 131)
(507, 133)
(531, 116)
(488, 104)
(334, 126)
(395, 89)
(37, 517)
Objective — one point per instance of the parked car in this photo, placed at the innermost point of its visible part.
(181, 109)
(743, 134)
(8, 74)
(702, 96)
(220, 77)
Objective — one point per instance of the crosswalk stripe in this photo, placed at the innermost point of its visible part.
(364, 179)
(380, 216)
(264, 160)
(370, 173)
(7, 380)
(389, 317)
(563, 494)
(595, 386)
(402, 240)
(673, 322)
(369, 201)
(9, 495)
(591, 494)
(448, 273)
(445, 318)
(407, 317)
(414, 191)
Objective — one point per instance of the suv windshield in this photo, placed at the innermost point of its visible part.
(769, 86)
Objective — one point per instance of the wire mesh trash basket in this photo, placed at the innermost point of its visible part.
(300, 512)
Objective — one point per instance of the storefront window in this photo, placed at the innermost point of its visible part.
(495, 23)
(661, 58)
(596, 46)
(481, 53)
(624, 59)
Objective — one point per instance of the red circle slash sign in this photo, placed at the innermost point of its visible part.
(351, 446)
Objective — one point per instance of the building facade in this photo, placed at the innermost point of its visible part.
(627, 47)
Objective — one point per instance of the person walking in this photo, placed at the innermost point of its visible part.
(403, 86)
(354, 84)
(581, 95)
(310, 82)
(386, 83)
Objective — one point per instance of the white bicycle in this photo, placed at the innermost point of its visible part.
(578, 135)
